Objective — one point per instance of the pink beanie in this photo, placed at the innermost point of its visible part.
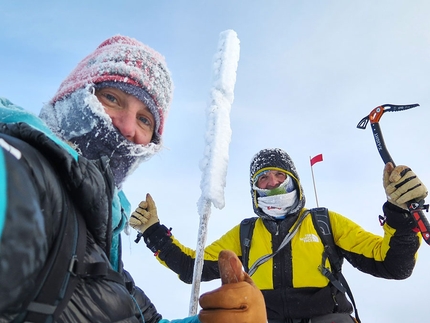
(126, 60)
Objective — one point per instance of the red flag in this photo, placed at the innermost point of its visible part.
(316, 159)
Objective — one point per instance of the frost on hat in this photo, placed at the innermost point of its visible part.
(77, 116)
(274, 157)
(126, 60)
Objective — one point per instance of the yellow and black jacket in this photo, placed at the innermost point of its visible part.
(291, 282)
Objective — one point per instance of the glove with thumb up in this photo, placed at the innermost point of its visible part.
(145, 215)
(402, 185)
(237, 300)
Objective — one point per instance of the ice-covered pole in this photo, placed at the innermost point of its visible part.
(217, 139)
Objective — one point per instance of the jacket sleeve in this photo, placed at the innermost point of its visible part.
(171, 253)
(392, 256)
(146, 307)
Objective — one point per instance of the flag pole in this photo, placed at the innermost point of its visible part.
(313, 180)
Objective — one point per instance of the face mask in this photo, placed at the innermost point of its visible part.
(81, 120)
(279, 205)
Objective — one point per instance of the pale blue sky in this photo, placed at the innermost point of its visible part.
(308, 72)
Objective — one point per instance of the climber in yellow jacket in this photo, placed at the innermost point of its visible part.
(294, 288)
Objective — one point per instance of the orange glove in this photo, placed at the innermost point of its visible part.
(238, 300)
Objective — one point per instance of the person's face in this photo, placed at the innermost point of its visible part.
(129, 115)
(271, 179)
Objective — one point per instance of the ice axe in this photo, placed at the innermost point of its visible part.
(415, 208)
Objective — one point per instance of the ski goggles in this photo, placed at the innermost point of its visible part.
(286, 186)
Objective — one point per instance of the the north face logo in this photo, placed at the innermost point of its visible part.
(310, 237)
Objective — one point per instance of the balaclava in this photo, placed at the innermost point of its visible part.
(76, 115)
(276, 159)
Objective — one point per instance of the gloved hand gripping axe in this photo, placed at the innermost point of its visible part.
(415, 208)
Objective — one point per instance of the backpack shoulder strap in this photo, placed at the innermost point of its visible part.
(246, 230)
(321, 221)
(63, 270)
(57, 280)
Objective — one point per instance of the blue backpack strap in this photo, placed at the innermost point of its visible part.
(246, 230)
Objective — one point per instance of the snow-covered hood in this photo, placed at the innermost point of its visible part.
(11, 113)
(275, 158)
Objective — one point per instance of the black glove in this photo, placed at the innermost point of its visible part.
(398, 218)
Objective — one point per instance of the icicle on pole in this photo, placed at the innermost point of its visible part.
(218, 136)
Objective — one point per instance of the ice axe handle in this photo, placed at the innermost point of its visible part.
(380, 143)
(415, 208)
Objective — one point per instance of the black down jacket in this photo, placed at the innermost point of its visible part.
(41, 184)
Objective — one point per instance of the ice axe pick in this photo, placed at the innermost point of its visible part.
(415, 208)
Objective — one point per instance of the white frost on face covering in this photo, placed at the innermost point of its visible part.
(278, 206)
(75, 115)
(81, 119)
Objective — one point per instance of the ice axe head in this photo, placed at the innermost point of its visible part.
(376, 114)
(374, 117)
